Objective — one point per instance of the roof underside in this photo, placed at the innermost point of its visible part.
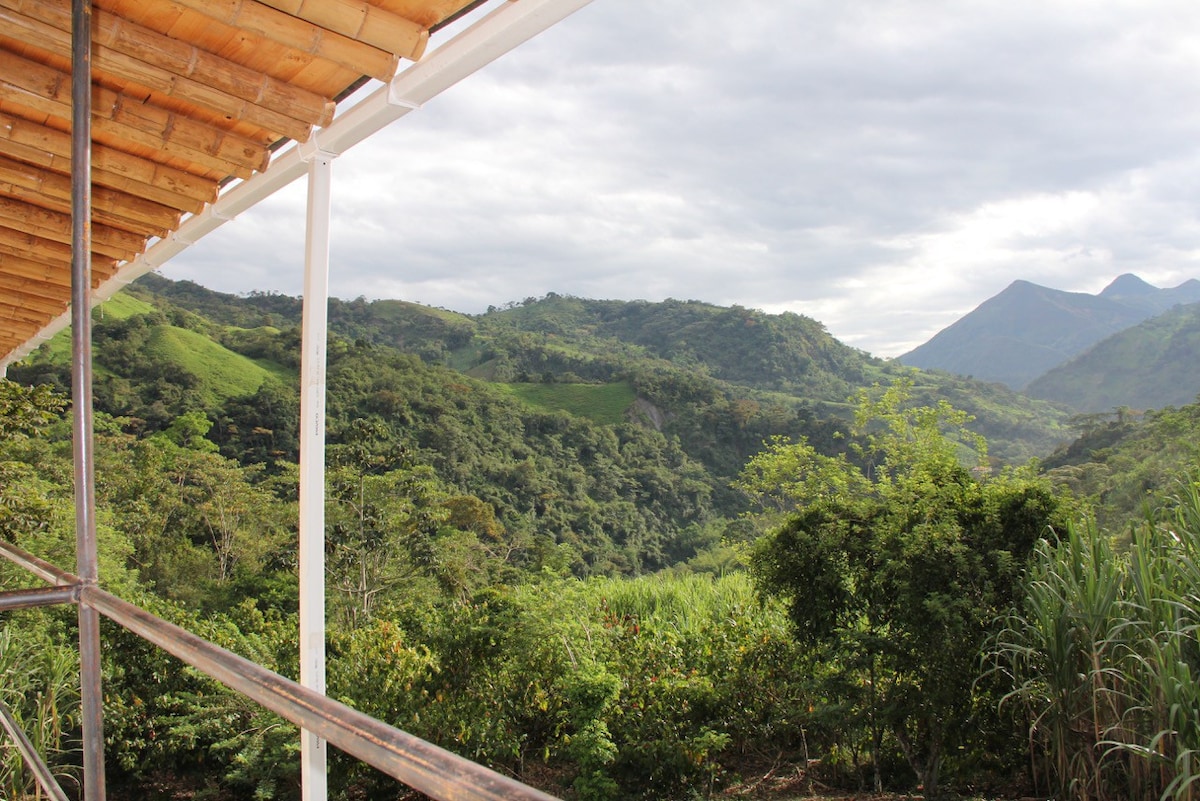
(186, 95)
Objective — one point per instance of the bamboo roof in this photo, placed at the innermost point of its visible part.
(186, 95)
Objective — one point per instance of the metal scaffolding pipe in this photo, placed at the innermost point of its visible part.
(422, 766)
(91, 699)
(37, 566)
(41, 596)
(41, 771)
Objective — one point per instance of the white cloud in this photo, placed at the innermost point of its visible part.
(883, 168)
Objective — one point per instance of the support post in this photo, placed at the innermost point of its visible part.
(314, 334)
(87, 560)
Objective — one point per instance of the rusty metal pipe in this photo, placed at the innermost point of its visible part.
(41, 771)
(91, 699)
(40, 596)
(421, 765)
(37, 566)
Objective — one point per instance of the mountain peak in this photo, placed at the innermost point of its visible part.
(1128, 285)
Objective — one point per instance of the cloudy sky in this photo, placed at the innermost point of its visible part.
(883, 167)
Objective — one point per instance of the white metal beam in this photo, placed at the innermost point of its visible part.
(314, 332)
(503, 29)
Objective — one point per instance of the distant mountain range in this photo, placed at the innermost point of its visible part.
(1056, 345)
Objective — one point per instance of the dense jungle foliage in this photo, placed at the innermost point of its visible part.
(612, 567)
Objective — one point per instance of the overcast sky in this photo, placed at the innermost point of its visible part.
(883, 167)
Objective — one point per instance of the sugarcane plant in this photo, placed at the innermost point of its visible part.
(1104, 660)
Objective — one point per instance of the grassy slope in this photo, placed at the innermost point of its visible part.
(602, 403)
(119, 307)
(222, 373)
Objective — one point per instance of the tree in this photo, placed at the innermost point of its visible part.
(899, 566)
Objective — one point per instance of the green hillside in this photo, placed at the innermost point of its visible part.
(119, 307)
(1148, 366)
(607, 404)
(154, 362)
(220, 372)
(1123, 464)
(725, 379)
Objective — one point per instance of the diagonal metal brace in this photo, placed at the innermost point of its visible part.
(40, 769)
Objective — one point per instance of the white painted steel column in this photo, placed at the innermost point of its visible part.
(314, 333)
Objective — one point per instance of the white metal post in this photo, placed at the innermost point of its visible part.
(314, 333)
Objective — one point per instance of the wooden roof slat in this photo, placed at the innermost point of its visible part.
(36, 303)
(125, 230)
(44, 251)
(361, 21)
(10, 310)
(56, 227)
(48, 91)
(155, 218)
(15, 261)
(100, 178)
(177, 135)
(110, 167)
(32, 288)
(207, 68)
(48, 36)
(298, 34)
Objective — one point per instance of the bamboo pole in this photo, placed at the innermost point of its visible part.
(33, 302)
(109, 220)
(31, 248)
(297, 34)
(363, 22)
(56, 227)
(110, 167)
(52, 277)
(28, 286)
(21, 264)
(113, 63)
(16, 313)
(27, 246)
(153, 218)
(117, 35)
(46, 90)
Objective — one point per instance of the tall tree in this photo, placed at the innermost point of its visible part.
(898, 562)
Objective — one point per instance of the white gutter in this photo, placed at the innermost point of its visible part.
(502, 30)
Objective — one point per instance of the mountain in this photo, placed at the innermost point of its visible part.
(1147, 366)
(1132, 291)
(1028, 329)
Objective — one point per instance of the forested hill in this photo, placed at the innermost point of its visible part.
(786, 352)
(772, 363)
(1147, 366)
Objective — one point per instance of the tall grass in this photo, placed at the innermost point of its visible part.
(39, 683)
(1105, 661)
(686, 604)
